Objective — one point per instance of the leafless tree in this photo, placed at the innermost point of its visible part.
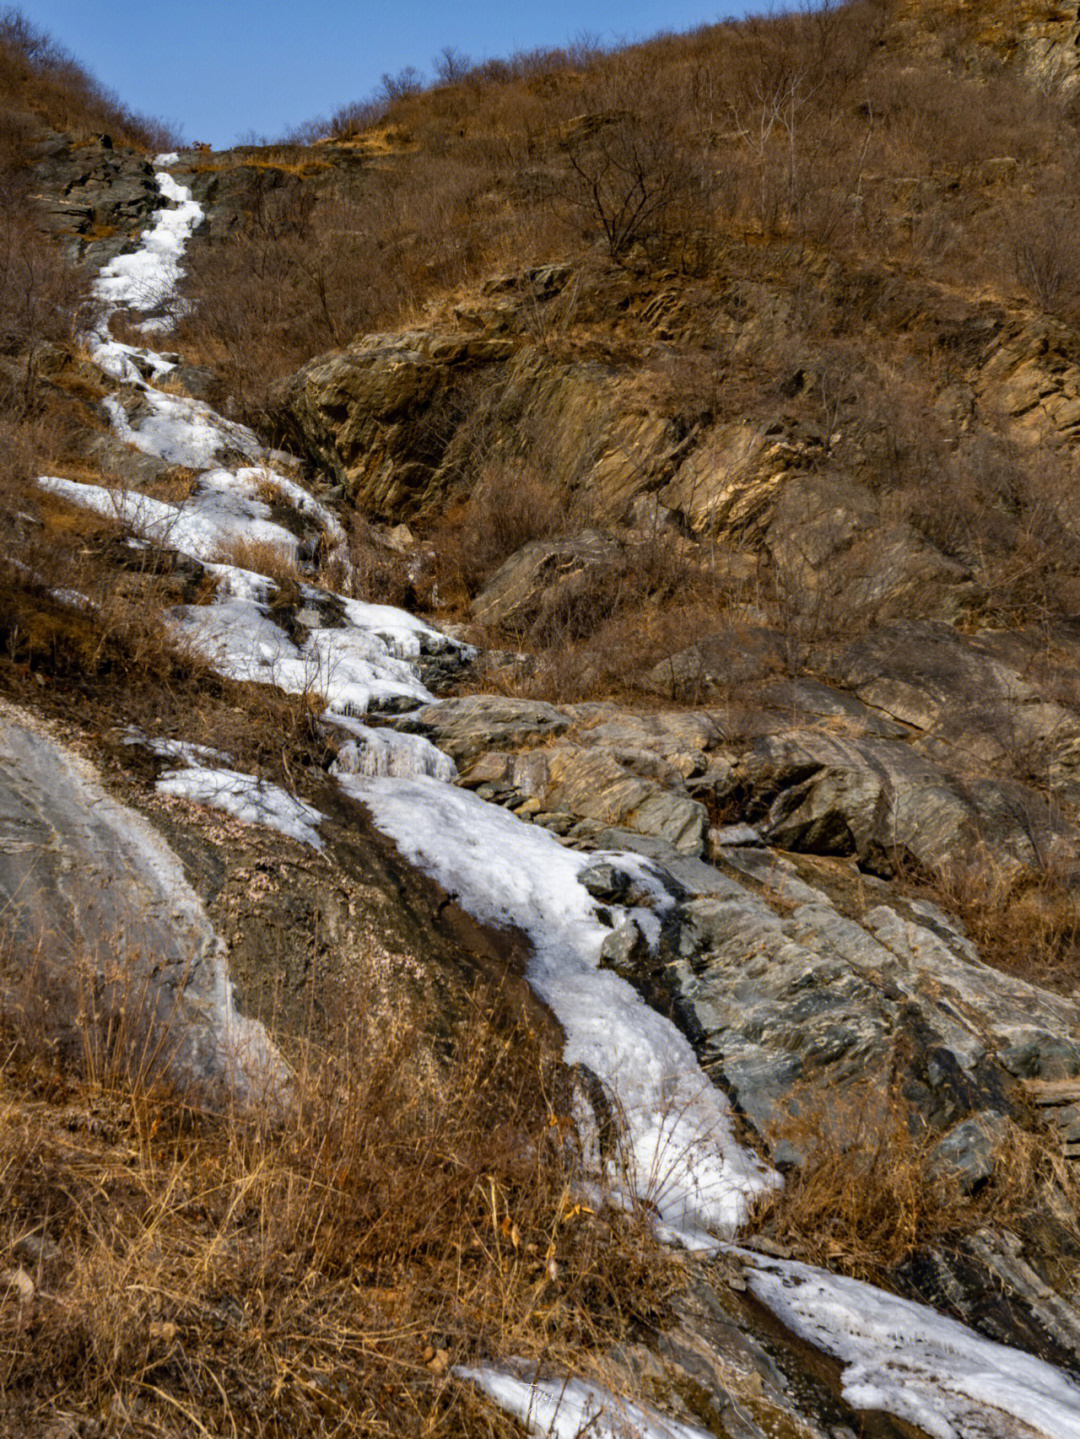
(625, 170)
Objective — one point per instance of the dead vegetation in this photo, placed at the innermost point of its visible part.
(801, 201)
(1023, 921)
(41, 82)
(873, 1190)
(319, 1266)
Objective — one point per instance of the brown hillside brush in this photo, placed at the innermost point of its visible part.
(316, 1266)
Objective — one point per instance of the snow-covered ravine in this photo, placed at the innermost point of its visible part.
(679, 1153)
(682, 1156)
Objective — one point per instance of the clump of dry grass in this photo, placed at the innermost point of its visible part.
(263, 557)
(314, 1268)
(1023, 921)
(510, 504)
(867, 1195)
(872, 1191)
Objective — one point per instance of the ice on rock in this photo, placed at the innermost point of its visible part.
(246, 798)
(146, 279)
(228, 505)
(905, 1359)
(558, 1408)
(364, 663)
(385, 752)
(127, 362)
(182, 431)
(683, 1156)
(352, 669)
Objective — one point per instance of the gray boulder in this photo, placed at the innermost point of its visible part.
(882, 801)
(467, 726)
(542, 579)
(100, 916)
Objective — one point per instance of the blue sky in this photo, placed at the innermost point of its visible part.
(223, 68)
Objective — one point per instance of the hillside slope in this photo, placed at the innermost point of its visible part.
(557, 674)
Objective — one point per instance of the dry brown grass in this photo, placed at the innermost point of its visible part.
(314, 1270)
(871, 1192)
(833, 163)
(40, 81)
(1023, 921)
(510, 504)
(263, 557)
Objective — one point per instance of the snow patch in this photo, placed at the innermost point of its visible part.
(906, 1359)
(181, 431)
(146, 279)
(404, 634)
(246, 798)
(571, 1408)
(175, 749)
(351, 669)
(216, 516)
(127, 362)
(683, 1156)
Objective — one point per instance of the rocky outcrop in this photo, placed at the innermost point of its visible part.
(542, 579)
(96, 195)
(994, 701)
(397, 417)
(833, 548)
(884, 803)
(381, 414)
(795, 1001)
(467, 726)
(100, 917)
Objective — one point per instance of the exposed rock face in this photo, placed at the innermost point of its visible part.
(880, 800)
(539, 579)
(380, 415)
(100, 196)
(396, 416)
(992, 700)
(717, 664)
(795, 1002)
(466, 726)
(831, 546)
(93, 897)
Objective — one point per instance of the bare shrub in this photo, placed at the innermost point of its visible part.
(1003, 517)
(406, 82)
(625, 170)
(512, 503)
(1044, 253)
(451, 65)
(39, 77)
(383, 574)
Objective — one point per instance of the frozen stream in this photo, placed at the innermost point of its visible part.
(683, 1158)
